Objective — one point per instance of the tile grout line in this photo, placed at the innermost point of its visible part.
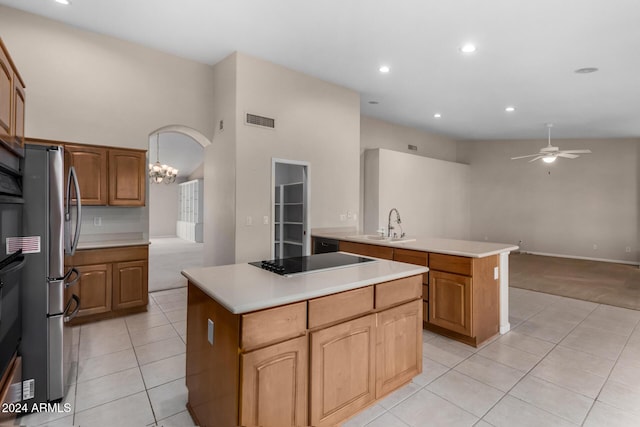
(534, 366)
(636, 328)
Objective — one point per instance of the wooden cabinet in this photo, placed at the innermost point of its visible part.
(130, 284)
(108, 176)
(274, 386)
(127, 177)
(398, 346)
(12, 104)
(461, 295)
(90, 163)
(464, 297)
(314, 362)
(342, 370)
(93, 288)
(450, 302)
(375, 251)
(113, 281)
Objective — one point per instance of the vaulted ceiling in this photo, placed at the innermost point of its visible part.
(527, 54)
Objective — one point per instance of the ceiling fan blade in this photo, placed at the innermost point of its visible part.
(535, 158)
(522, 157)
(576, 151)
(567, 155)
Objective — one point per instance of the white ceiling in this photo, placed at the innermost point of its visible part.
(178, 151)
(527, 54)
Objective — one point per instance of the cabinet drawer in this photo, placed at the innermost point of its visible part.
(375, 251)
(274, 324)
(411, 257)
(450, 263)
(397, 291)
(340, 306)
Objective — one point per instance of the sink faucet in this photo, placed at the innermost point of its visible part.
(398, 221)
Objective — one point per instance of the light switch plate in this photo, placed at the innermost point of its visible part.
(210, 327)
(496, 273)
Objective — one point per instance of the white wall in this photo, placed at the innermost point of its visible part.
(93, 89)
(317, 122)
(432, 195)
(220, 169)
(164, 206)
(563, 208)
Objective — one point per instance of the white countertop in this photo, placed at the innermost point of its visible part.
(242, 288)
(115, 240)
(466, 248)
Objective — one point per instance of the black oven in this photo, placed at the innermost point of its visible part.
(11, 263)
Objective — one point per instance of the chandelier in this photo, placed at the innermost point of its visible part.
(159, 173)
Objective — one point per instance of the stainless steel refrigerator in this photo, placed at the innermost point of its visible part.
(47, 352)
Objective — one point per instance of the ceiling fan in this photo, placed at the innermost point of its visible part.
(549, 154)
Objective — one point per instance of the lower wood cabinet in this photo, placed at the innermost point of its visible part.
(342, 371)
(398, 346)
(272, 368)
(450, 302)
(113, 281)
(274, 385)
(94, 289)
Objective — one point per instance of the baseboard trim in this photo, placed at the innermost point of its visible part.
(616, 261)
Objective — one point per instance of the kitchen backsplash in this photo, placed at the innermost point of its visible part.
(113, 220)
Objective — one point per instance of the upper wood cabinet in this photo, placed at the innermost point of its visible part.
(127, 177)
(12, 104)
(91, 165)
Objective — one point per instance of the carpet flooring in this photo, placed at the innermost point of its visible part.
(168, 256)
(596, 281)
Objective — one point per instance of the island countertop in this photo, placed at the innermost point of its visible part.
(465, 248)
(242, 288)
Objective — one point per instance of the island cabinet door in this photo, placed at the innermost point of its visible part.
(342, 370)
(398, 346)
(274, 385)
(450, 302)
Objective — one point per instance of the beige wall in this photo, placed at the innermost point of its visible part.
(163, 212)
(563, 208)
(220, 169)
(431, 195)
(95, 89)
(317, 122)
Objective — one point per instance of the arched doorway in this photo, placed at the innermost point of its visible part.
(175, 208)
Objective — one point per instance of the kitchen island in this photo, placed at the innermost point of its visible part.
(310, 349)
(465, 293)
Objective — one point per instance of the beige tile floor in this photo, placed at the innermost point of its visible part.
(565, 362)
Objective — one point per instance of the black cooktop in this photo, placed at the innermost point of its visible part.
(303, 264)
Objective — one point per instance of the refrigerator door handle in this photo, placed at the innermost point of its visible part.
(72, 245)
(68, 283)
(69, 316)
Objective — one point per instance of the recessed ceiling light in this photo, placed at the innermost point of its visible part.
(437, 115)
(64, 2)
(373, 102)
(586, 70)
(384, 69)
(510, 109)
(468, 48)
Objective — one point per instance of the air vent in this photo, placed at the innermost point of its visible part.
(413, 147)
(266, 122)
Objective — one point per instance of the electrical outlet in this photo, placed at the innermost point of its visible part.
(97, 221)
(486, 238)
(343, 217)
(627, 249)
(249, 221)
(265, 220)
(496, 273)
(349, 214)
(595, 247)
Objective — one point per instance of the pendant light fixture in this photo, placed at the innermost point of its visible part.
(159, 173)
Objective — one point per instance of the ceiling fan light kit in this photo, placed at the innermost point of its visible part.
(549, 154)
